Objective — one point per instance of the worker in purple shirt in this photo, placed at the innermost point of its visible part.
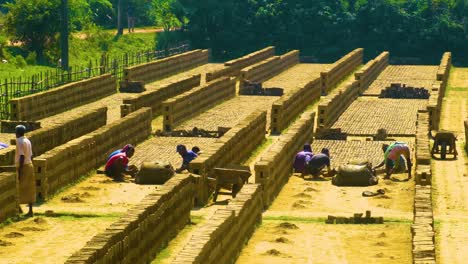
(301, 158)
(187, 157)
(317, 162)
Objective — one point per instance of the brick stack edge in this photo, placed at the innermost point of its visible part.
(232, 148)
(223, 236)
(232, 68)
(340, 69)
(40, 105)
(9, 197)
(195, 101)
(438, 90)
(159, 69)
(66, 163)
(154, 97)
(466, 135)
(145, 229)
(369, 72)
(273, 169)
(423, 153)
(268, 68)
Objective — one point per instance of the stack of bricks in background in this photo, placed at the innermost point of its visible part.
(268, 68)
(335, 103)
(154, 97)
(371, 70)
(65, 164)
(159, 69)
(423, 227)
(195, 101)
(340, 69)
(8, 126)
(63, 98)
(9, 195)
(232, 148)
(273, 169)
(285, 110)
(233, 67)
(7, 156)
(466, 134)
(438, 90)
(423, 153)
(223, 236)
(140, 234)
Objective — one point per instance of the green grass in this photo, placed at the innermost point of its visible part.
(266, 142)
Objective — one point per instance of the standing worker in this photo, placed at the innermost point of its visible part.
(187, 157)
(117, 165)
(131, 18)
(25, 169)
(301, 158)
(317, 162)
(393, 157)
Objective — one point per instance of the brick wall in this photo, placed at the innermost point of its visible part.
(145, 229)
(274, 167)
(155, 97)
(438, 90)
(466, 134)
(9, 195)
(64, 164)
(223, 236)
(195, 101)
(369, 72)
(340, 69)
(159, 69)
(233, 67)
(58, 100)
(290, 105)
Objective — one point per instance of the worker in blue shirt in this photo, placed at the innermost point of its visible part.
(187, 157)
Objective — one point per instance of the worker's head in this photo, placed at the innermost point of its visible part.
(181, 149)
(384, 147)
(326, 152)
(307, 147)
(20, 130)
(129, 150)
(196, 149)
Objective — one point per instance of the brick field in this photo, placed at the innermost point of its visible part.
(366, 115)
(413, 76)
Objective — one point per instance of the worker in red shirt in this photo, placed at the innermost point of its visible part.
(117, 166)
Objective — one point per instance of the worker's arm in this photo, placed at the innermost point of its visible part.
(380, 165)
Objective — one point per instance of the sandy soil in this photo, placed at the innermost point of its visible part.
(450, 180)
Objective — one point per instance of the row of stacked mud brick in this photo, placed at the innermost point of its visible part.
(340, 69)
(268, 68)
(423, 152)
(232, 148)
(158, 69)
(466, 134)
(438, 90)
(194, 101)
(273, 168)
(8, 195)
(40, 105)
(369, 72)
(145, 229)
(64, 164)
(224, 234)
(154, 97)
(233, 67)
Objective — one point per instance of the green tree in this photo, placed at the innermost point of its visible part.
(164, 14)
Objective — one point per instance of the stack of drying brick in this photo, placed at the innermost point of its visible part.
(192, 102)
(154, 97)
(423, 227)
(466, 134)
(340, 69)
(223, 236)
(273, 169)
(423, 153)
(9, 197)
(233, 67)
(334, 104)
(8, 126)
(268, 68)
(7, 156)
(63, 98)
(232, 148)
(438, 90)
(66, 163)
(286, 109)
(139, 235)
(158, 69)
(371, 70)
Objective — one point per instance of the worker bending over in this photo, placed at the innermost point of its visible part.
(301, 158)
(392, 158)
(187, 157)
(117, 165)
(317, 162)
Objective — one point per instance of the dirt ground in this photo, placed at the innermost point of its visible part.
(301, 74)
(450, 178)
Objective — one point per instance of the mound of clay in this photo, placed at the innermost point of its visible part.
(85, 195)
(302, 195)
(382, 234)
(310, 189)
(273, 252)
(90, 188)
(31, 228)
(298, 205)
(40, 221)
(282, 240)
(14, 235)
(379, 255)
(4, 243)
(384, 196)
(72, 198)
(381, 244)
(287, 225)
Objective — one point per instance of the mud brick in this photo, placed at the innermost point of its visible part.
(423, 251)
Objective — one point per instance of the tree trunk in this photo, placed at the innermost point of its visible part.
(119, 18)
(64, 36)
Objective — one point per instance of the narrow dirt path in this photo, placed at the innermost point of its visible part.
(450, 179)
